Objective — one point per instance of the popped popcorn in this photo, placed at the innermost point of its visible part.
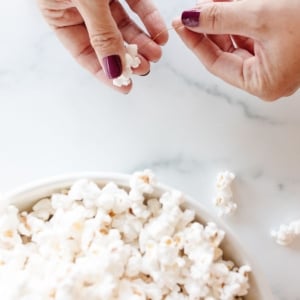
(93, 242)
(132, 61)
(223, 200)
(287, 233)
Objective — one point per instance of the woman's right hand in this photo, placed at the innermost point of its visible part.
(251, 44)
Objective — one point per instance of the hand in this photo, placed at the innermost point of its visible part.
(94, 32)
(251, 44)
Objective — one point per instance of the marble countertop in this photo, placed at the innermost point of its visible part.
(179, 121)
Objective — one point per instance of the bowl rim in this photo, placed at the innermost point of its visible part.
(45, 186)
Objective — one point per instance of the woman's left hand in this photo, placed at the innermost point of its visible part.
(94, 32)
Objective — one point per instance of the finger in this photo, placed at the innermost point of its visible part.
(62, 17)
(240, 46)
(144, 67)
(221, 18)
(224, 42)
(133, 34)
(244, 43)
(227, 66)
(104, 35)
(151, 18)
(76, 40)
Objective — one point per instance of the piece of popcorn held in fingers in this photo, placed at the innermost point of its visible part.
(132, 62)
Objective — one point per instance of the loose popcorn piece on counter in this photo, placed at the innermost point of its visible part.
(92, 242)
(132, 61)
(223, 200)
(287, 233)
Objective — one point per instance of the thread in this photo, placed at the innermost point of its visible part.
(159, 34)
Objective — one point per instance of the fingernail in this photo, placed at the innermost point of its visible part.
(146, 73)
(112, 66)
(190, 18)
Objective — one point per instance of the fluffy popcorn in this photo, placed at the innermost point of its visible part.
(9, 222)
(142, 183)
(92, 242)
(132, 61)
(86, 191)
(287, 233)
(43, 209)
(223, 200)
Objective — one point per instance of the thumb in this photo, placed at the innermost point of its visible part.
(104, 35)
(219, 18)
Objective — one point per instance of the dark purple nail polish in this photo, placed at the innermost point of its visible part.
(190, 18)
(112, 66)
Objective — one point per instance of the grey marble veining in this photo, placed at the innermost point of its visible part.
(215, 91)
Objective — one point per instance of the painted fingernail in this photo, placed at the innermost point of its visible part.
(146, 73)
(112, 66)
(190, 18)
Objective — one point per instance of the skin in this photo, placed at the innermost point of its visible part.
(251, 44)
(94, 29)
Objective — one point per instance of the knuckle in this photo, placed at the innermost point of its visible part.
(68, 14)
(125, 22)
(60, 18)
(214, 16)
(104, 40)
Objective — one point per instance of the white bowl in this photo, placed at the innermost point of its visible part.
(25, 196)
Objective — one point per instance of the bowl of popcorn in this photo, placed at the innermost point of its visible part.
(112, 236)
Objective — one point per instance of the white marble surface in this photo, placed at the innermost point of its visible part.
(179, 121)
